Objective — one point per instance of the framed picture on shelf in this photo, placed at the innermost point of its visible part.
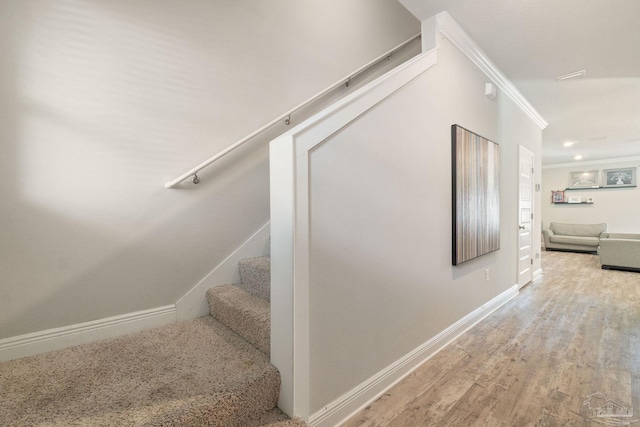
(575, 199)
(623, 177)
(583, 179)
(557, 197)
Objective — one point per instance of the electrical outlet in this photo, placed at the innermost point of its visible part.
(486, 275)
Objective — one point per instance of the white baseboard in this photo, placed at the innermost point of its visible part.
(537, 275)
(82, 333)
(194, 303)
(348, 404)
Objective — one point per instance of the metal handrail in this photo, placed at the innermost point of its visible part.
(286, 116)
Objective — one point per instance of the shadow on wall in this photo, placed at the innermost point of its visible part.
(8, 148)
(88, 231)
(63, 271)
(104, 102)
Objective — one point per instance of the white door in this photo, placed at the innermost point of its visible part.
(525, 214)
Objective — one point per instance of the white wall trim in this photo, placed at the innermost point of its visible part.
(194, 303)
(578, 165)
(289, 168)
(83, 333)
(348, 404)
(537, 274)
(450, 29)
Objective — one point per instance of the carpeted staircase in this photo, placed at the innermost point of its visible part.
(211, 371)
(244, 307)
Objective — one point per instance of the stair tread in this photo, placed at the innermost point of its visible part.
(276, 418)
(245, 314)
(192, 373)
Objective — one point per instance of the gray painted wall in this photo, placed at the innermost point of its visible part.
(381, 279)
(617, 207)
(104, 101)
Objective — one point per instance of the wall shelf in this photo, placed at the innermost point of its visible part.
(568, 203)
(600, 188)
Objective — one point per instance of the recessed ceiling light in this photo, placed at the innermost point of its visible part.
(568, 143)
(578, 157)
(572, 75)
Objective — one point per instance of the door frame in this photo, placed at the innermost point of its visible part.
(522, 151)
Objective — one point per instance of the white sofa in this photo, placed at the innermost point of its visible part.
(573, 237)
(620, 251)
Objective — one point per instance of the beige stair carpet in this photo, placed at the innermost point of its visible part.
(194, 373)
(245, 314)
(255, 276)
(276, 418)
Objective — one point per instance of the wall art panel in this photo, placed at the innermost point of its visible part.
(476, 195)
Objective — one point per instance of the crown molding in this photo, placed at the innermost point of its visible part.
(592, 162)
(450, 29)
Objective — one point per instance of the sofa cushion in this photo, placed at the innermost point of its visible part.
(620, 253)
(575, 240)
(583, 230)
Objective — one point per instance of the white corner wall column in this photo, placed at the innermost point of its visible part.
(290, 225)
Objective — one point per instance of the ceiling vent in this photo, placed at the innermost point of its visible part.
(572, 75)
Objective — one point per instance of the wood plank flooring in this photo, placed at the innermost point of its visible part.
(535, 361)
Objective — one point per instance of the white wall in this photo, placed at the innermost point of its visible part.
(615, 206)
(104, 101)
(378, 257)
(381, 281)
(517, 129)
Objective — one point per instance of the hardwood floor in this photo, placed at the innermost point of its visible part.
(536, 360)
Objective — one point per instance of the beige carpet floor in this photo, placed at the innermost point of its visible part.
(194, 373)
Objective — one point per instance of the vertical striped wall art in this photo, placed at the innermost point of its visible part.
(475, 163)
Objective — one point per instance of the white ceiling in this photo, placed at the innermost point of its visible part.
(533, 41)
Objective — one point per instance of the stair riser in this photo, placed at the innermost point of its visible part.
(246, 315)
(255, 276)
